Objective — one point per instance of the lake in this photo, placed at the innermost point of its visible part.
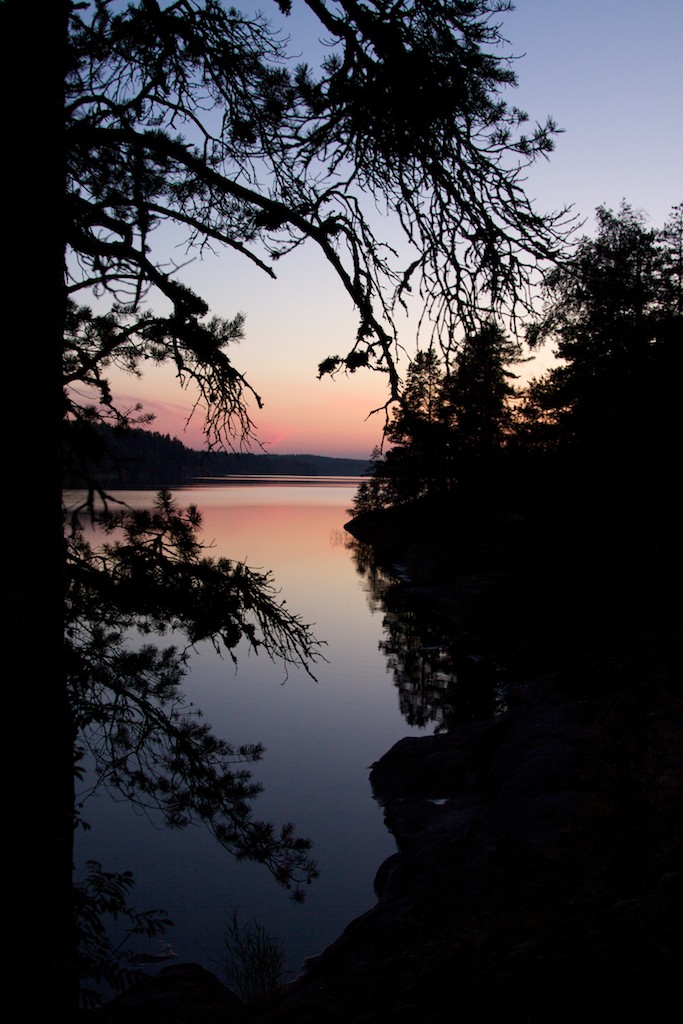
(321, 737)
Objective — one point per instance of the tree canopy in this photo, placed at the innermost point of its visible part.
(605, 415)
(194, 115)
(614, 315)
(451, 425)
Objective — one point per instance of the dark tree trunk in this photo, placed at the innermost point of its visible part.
(33, 310)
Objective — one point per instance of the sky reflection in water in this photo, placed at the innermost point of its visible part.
(321, 736)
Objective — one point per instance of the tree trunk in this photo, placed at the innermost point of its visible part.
(33, 312)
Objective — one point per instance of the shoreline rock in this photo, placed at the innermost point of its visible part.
(525, 885)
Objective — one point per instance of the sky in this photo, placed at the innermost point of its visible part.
(608, 71)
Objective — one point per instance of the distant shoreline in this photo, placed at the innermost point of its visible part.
(143, 458)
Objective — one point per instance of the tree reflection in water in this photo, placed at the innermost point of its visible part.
(441, 676)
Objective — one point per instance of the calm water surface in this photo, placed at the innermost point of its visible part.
(321, 736)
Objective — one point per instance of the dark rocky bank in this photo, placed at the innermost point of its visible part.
(539, 873)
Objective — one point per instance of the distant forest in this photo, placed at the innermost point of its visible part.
(145, 458)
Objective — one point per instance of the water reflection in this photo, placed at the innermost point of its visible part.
(320, 737)
(441, 678)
